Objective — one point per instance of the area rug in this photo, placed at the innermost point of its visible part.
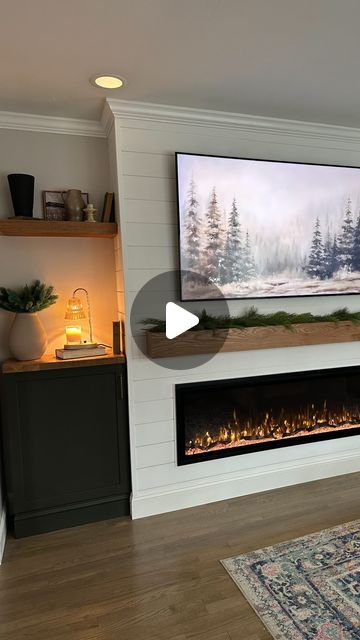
(308, 588)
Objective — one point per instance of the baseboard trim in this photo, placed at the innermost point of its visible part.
(62, 517)
(2, 533)
(245, 484)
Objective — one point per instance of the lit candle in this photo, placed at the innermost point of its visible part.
(73, 334)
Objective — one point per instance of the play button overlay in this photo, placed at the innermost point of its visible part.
(157, 308)
(178, 320)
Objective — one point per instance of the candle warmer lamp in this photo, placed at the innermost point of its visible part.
(75, 311)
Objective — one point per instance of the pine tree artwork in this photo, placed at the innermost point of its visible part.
(261, 229)
(233, 269)
(315, 266)
(334, 257)
(356, 246)
(249, 269)
(346, 240)
(328, 256)
(192, 230)
(213, 249)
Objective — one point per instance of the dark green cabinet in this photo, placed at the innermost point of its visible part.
(65, 446)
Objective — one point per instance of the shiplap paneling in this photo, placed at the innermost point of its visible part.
(154, 411)
(245, 363)
(151, 165)
(151, 235)
(145, 152)
(155, 389)
(261, 145)
(168, 475)
(154, 433)
(137, 278)
(155, 212)
(149, 188)
(153, 455)
(143, 257)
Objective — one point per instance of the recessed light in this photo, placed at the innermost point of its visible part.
(105, 81)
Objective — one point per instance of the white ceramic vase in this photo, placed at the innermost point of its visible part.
(27, 339)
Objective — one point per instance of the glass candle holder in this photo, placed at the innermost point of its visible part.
(73, 334)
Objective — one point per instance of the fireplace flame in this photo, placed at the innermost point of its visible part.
(287, 424)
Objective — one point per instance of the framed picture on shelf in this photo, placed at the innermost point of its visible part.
(108, 213)
(53, 204)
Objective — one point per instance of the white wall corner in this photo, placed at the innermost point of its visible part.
(156, 113)
(107, 119)
(51, 124)
(2, 533)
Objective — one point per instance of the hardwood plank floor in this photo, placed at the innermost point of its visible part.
(158, 578)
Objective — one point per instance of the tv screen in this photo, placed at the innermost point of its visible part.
(263, 229)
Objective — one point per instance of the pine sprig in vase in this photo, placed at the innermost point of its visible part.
(27, 339)
(28, 299)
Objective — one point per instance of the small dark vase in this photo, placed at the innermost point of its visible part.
(22, 193)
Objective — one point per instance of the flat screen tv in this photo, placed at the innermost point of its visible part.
(266, 229)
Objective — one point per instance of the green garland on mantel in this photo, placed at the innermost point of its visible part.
(252, 318)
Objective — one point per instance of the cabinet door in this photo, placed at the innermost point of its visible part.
(65, 436)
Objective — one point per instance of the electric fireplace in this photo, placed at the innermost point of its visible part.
(244, 415)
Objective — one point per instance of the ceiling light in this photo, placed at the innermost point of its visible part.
(107, 81)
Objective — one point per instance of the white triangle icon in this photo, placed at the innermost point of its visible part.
(178, 320)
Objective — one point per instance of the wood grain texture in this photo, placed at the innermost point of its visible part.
(47, 363)
(160, 577)
(201, 342)
(37, 227)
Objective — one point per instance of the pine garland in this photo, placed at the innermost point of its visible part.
(252, 318)
(28, 299)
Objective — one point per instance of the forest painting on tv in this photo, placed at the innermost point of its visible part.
(260, 229)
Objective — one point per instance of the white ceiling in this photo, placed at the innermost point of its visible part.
(295, 59)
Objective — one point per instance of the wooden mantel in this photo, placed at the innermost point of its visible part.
(202, 342)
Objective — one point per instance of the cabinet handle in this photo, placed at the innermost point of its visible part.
(121, 388)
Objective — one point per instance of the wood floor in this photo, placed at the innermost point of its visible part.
(158, 578)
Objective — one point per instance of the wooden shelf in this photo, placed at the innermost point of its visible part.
(50, 362)
(202, 342)
(36, 227)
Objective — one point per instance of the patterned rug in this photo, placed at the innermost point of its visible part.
(307, 588)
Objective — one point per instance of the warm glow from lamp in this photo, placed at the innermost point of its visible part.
(75, 311)
(73, 334)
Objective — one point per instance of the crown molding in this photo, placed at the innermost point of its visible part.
(51, 124)
(158, 113)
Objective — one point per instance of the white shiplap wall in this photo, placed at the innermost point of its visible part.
(145, 139)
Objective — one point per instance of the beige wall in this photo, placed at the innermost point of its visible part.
(58, 162)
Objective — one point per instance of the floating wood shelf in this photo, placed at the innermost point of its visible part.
(36, 227)
(202, 342)
(49, 362)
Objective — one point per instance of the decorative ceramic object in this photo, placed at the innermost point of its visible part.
(27, 339)
(22, 193)
(74, 205)
(90, 213)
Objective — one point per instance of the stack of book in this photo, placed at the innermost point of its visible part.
(69, 354)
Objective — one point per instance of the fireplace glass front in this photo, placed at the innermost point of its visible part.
(228, 417)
